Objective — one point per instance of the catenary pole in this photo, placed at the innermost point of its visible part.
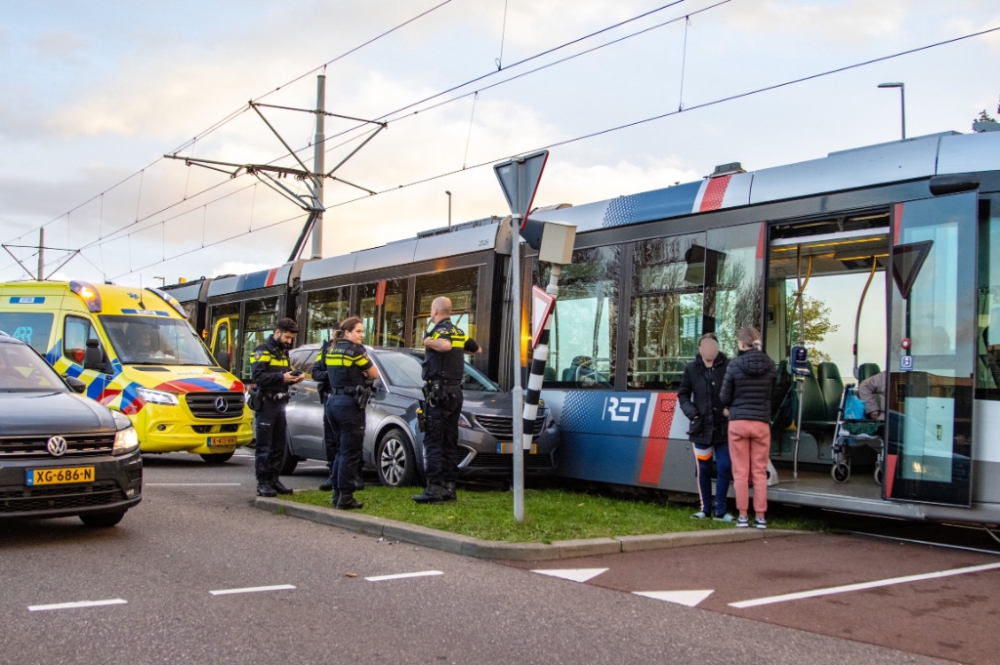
(319, 143)
(41, 253)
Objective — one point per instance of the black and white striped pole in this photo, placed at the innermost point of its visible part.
(542, 305)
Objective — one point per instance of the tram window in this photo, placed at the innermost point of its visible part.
(733, 283)
(988, 337)
(230, 313)
(324, 312)
(457, 285)
(261, 319)
(383, 312)
(582, 337)
(668, 276)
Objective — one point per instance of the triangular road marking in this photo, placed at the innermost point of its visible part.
(689, 598)
(573, 574)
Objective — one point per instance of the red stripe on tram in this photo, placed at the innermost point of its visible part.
(897, 222)
(715, 191)
(270, 277)
(656, 444)
(761, 241)
(890, 474)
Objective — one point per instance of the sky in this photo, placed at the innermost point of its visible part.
(94, 94)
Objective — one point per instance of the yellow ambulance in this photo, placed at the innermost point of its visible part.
(137, 354)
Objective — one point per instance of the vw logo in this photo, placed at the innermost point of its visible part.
(221, 405)
(56, 446)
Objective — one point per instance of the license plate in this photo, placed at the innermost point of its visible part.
(507, 448)
(76, 474)
(220, 441)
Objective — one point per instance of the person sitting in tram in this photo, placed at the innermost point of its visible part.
(872, 392)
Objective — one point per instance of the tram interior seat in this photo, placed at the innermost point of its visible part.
(832, 387)
(550, 374)
(867, 370)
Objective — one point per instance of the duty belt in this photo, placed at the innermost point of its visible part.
(445, 382)
(277, 397)
(345, 390)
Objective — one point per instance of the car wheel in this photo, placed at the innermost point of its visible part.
(394, 460)
(289, 461)
(217, 458)
(102, 520)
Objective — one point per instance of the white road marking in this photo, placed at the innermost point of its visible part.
(689, 598)
(76, 605)
(401, 576)
(252, 589)
(191, 484)
(573, 574)
(863, 585)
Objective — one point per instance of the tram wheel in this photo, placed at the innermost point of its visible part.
(878, 475)
(841, 472)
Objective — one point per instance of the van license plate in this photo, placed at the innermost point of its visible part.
(76, 474)
(507, 448)
(221, 441)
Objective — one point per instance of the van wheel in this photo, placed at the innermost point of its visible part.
(394, 460)
(217, 458)
(102, 520)
(289, 461)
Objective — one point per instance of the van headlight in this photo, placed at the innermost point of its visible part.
(157, 397)
(126, 440)
(463, 421)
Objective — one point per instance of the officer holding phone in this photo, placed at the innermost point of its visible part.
(272, 376)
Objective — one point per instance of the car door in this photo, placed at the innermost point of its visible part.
(305, 412)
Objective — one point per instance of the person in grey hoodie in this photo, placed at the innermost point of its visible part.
(746, 391)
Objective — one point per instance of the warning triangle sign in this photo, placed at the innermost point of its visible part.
(542, 303)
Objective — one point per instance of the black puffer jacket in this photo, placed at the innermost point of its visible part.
(746, 390)
(700, 402)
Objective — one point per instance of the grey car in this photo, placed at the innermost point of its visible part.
(393, 446)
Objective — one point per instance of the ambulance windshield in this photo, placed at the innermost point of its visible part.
(155, 340)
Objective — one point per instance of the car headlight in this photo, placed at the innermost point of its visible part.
(157, 397)
(463, 421)
(126, 440)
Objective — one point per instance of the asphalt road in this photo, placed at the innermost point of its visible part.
(189, 538)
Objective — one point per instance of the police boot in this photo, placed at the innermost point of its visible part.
(449, 491)
(336, 497)
(280, 487)
(264, 489)
(326, 486)
(433, 494)
(348, 502)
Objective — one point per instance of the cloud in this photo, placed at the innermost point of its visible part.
(58, 44)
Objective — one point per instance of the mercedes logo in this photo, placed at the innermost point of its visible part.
(56, 446)
(221, 405)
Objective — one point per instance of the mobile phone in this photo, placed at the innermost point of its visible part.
(297, 372)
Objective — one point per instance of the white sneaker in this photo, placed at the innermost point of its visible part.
(742, 522)
(760, 522)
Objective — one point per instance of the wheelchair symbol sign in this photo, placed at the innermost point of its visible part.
(906, 364)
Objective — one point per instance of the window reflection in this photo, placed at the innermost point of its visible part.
(459, 286)
(324, 312)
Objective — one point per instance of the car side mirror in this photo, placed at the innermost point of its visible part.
(378, 385)
(222, 357)
(75, 384)
(94, 357)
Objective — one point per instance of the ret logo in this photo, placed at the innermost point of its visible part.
(624, 409)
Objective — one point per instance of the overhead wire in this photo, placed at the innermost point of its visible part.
(642, 121)
(243, 109)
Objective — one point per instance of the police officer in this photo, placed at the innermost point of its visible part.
(444, 369)
(272, 375)
(348, 369)
(322, 379)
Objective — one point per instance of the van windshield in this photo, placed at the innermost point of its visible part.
(155, 340)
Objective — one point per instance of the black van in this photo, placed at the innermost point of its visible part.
(61, 453)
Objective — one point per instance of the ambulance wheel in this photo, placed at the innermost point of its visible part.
(102, 520)
(878, 475)
(841, 472)
(217, 458)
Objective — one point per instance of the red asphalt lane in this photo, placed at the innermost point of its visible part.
(956, 618)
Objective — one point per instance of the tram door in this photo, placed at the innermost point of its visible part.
(932, 344)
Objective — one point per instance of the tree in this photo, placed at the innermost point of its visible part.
(986, 117)
(817, 325)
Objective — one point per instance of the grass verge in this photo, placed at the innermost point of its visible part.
(549, 514)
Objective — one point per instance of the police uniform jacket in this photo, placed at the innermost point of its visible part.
(450, 365)
(270, 362)
(342, 365)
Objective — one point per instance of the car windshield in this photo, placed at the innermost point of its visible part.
(22, 370)
(404, 370)
(155, 340)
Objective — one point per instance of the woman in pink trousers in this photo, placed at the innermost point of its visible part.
(746, 391)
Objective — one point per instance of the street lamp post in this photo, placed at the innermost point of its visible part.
(902, 102)
(449, 208)
(163, 280)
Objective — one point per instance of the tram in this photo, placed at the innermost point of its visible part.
(881, 258)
